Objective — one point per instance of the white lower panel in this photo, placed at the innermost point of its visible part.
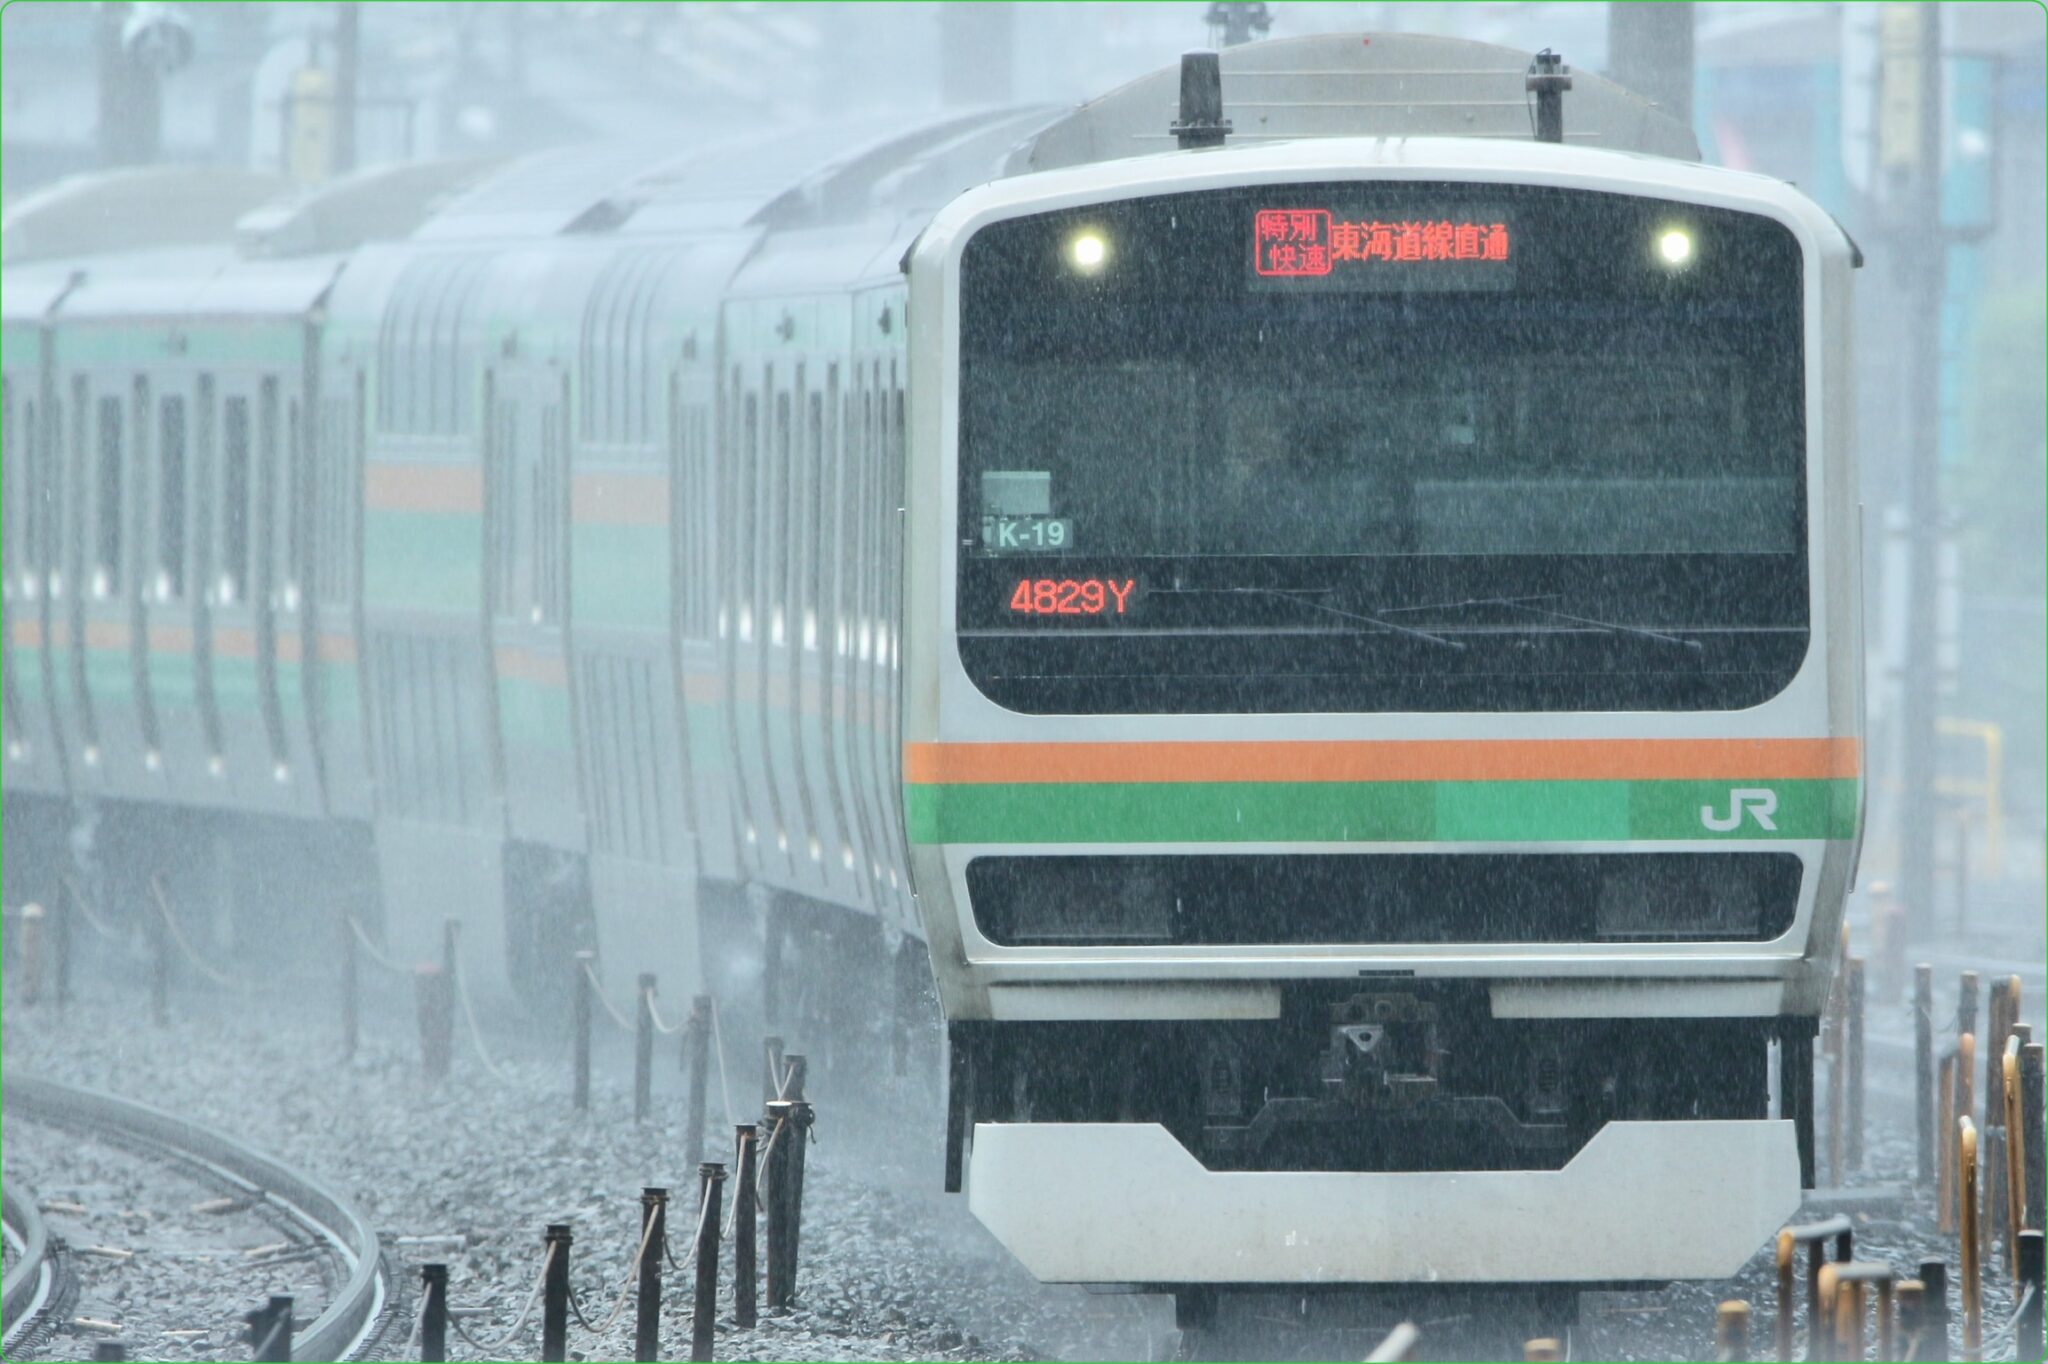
(1126, 1203)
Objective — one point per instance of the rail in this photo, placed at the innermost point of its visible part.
(31, 1283)
(349, 1324)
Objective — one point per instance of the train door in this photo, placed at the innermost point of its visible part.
(694, 546)
(740, 478)
(168, 576)
(526, 592)
(299, 661)
(143, 492)
(241, 676)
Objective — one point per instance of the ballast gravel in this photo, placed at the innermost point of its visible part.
(470, 1170)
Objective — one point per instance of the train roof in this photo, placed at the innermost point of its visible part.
(1360, 84)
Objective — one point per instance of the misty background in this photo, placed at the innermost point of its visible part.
(1792, 90)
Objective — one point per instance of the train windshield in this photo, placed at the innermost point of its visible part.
(1379, 446)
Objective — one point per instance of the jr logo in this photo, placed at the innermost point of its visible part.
(1753, 801)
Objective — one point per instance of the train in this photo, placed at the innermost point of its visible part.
(1311, 599)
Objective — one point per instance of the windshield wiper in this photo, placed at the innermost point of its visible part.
(1522, 604)
(1299, 597)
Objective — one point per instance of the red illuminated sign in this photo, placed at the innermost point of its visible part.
(1293, 242)
(1072, 596)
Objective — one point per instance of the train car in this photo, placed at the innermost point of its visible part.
(1382, 685)
(1341, 639)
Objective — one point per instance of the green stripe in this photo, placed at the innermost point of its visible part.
(1367, 812)
(427, 561)
(620, 576)
(276, 346)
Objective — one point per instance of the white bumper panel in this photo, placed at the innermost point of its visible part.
(1126, 1203)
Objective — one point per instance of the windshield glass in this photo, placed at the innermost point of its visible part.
(1373, 446)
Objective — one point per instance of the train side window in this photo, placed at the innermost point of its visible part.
(749, 455)
(298, 548)
(107, 490)
(778, 521)
(267, 476)
(142, 525)
(819, 537)
(170, 501)
(234, 500)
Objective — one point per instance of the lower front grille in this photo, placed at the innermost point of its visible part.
(1419, 898)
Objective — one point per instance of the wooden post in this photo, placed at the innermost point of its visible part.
(1849, 1318)
(1912, 1320)
(1973, 1272)
(705, 1309)
(1542, 1348)
(1783, 1324)
(1731, 1330)
(1822, 1320)
(1945, 1183)
(2015, 1169)
(1966, 1103)
(745, 1287)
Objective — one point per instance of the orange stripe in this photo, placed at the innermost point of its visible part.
(547, 669)
(106, 634)
(424, 487)
(170, 639)
(336, 648)
(1389, 760)
(619, 499)
(28, 634)
(234, 643)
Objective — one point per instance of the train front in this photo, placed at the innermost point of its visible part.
(1382, 708)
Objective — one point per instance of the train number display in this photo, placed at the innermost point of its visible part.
(1073, 596)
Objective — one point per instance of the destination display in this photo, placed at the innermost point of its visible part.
(1345, 248)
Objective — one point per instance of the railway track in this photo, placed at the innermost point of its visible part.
(360, 1315)
(38, 1284)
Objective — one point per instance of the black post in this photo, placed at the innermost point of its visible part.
(796, 1138)
(647, 1306)
(1923, 1067)
(744, 1311)
(696, 1052)
(276, 1345)
(2030, 1123)
(159, 967)
(433, 1313)
(781, 1136)
(351, 1021)
(434, 998)
(643, 1049)
(705, 1308)
(1934, 1281)
(2028, 1341)
(1854, 1041)
(580, 964)
(103, 1350)
(554, 1295)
